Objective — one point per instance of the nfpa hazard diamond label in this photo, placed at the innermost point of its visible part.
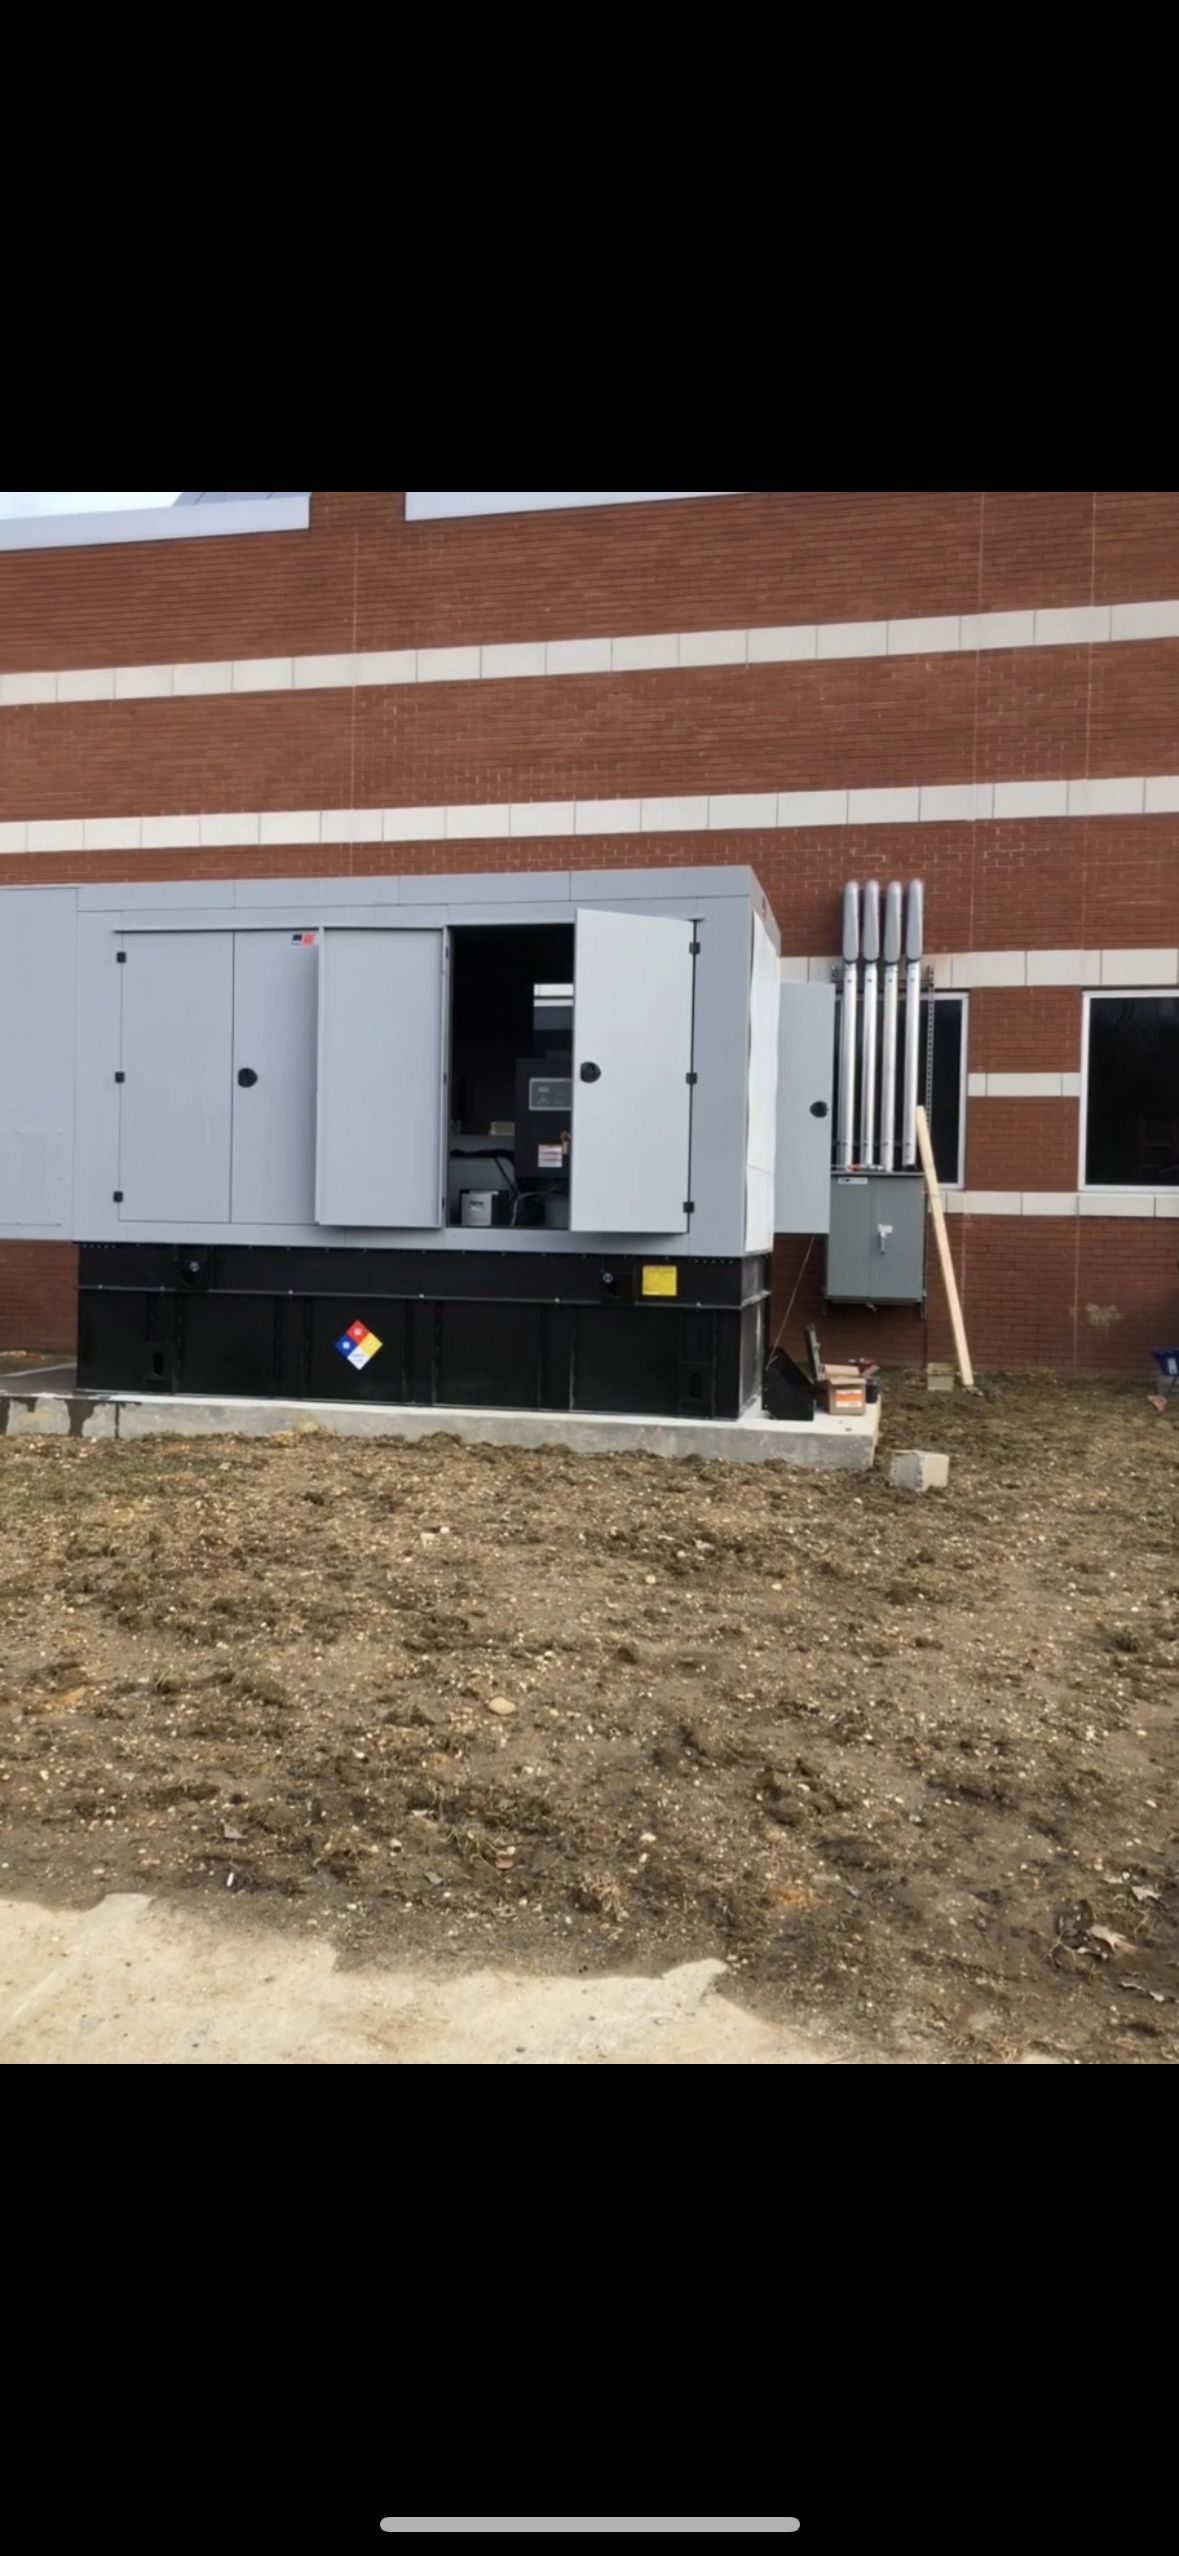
(358, 1345)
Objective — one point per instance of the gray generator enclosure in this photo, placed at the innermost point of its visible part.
(281, 1091)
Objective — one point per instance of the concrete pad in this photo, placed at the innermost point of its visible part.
(137, 1981)
(841, 1443)
(56, 1415)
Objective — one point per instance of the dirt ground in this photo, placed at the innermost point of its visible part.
(906, 1765)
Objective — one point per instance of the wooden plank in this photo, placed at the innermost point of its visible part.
(942, 1239)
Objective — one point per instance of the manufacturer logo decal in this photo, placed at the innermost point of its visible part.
(358, 1345)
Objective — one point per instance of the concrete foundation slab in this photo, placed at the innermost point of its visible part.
(143, 1982)
(34, 1414)
(825, 1443)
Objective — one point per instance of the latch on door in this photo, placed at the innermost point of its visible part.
(591, 1073)
(882, 1235)
(247, 1078)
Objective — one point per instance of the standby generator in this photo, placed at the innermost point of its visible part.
(507, 1139)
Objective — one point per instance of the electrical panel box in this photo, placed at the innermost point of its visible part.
(876, 1241)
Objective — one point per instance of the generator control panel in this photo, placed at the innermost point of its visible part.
(544, 1117)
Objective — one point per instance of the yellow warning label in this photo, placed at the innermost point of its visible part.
(661, 1282)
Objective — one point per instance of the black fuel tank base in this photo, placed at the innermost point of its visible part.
(510, 1330)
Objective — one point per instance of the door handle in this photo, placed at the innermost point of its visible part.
(247, 1078)
(591, 1073)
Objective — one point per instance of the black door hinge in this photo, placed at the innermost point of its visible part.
(120, 958)
(689, 1206)
(693, 949)
(117, 1195)
(120, 1078)
(691, 1078)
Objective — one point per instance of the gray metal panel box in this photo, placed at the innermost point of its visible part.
(876, 1245)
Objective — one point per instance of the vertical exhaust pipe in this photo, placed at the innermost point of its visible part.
(870, 942)
(914, 946)
(846, 1123)
(888, 1060)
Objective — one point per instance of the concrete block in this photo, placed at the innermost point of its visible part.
(939, 1379)
(915, 1469)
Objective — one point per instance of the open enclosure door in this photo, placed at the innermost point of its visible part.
(379, 1158)
(806, 1078)
(762, 1103)
(632, 1058)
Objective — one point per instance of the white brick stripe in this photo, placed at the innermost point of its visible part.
(791, 643)
(764, 811)
(1023, 968)
(1023, 1086)
(1128, 1204)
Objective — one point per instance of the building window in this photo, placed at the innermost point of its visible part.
(941, 1079)
(424, 506)
(1130, 1109)
(81, 519)
(945, 1014)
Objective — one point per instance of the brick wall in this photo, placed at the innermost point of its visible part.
(364, 578)
(38, 1305)
(1103, 883)
(1087, 1292)
(1032, 1032)
(1086, 1295)
(996, 716)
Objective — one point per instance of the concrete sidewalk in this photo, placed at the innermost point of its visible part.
(138, 1981)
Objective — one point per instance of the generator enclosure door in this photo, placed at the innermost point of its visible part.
(275, 990)
(806, 1082)
(37, 1045)
(176, 1108)
(381, 1120)
(632, 1060)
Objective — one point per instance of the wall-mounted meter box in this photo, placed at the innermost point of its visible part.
(876, 1242)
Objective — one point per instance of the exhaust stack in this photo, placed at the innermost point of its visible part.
(871, 950)
(914, 946)
(845, 1128)
(888, 1060)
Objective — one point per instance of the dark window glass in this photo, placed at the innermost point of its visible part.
(1132, 1121)
(945, 1117)
(939, 1077)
